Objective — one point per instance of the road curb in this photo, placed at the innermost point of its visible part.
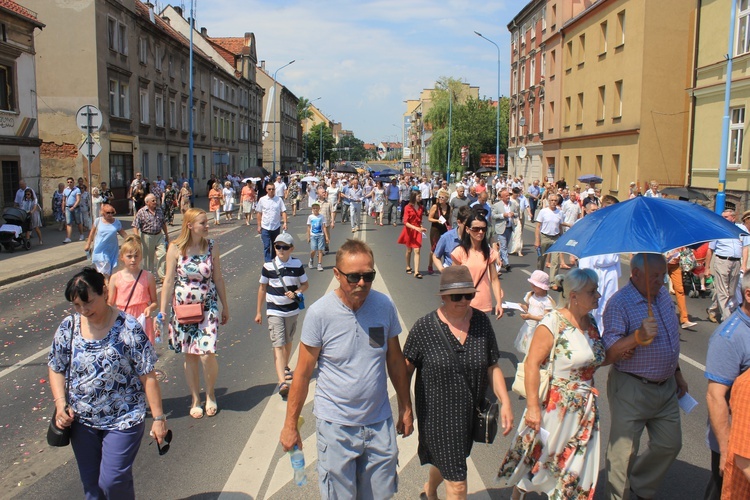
(43, 270)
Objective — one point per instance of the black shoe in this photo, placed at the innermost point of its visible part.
(507, 268)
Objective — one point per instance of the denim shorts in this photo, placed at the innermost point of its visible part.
(73, 216)
(317, 242)
(358, 461)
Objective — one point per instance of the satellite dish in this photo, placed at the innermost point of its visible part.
(522, 152)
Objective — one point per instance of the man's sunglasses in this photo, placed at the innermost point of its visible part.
(456, 297)
(282, 247)
(109, 213)
(163, 448)
(355, 277)
(482, 229)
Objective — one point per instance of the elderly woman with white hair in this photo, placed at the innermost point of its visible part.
(566, 464)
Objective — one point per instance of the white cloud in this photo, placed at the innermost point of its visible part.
(364, 58)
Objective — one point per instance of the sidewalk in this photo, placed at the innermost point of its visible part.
(53, 254)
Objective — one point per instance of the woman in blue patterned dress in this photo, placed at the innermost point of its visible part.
(112, 378)
(57, 206)
(194, 277)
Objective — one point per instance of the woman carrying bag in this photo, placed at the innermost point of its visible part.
(109, 366)
(565, 352)
(454, 352)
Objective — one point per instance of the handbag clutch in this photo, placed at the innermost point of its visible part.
(485, 422)
(57, 436)
(188, 314)
(519, 384)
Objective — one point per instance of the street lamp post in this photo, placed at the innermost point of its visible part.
(497, 136)
(276, 122)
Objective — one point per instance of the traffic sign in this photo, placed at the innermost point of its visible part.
(89, 118)
(90, 148)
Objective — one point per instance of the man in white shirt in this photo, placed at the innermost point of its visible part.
(548, 229)
(271, 213)
(281, 187)
(425, 190)
(20, 193)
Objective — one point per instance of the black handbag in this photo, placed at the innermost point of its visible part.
(484, 421)
(56, 436)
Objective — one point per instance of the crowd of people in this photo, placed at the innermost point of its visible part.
(351, 335)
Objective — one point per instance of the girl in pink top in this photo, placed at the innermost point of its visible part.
(132, 289)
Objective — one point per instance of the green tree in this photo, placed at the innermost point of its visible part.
(313, 139)
(303, 109)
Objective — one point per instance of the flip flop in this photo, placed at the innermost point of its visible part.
(409, 270)
(288, 374)
(211, 408)
(418, 276)
(283, 390)
(196, 412)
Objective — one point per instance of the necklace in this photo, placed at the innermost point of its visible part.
(454, 324)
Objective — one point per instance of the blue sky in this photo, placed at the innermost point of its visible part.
(364, 58)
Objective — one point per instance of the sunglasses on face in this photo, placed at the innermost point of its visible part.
(282, 247)
(109, 213)
(457, 297)
(163, 448)
(481, 229)
(355, 277)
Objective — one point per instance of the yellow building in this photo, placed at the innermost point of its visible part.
(621, 111)
(708, 98)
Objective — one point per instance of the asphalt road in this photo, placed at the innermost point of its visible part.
(237, 451)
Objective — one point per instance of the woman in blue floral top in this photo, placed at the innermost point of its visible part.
(112, 379)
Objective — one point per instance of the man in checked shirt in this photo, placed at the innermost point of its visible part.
(645, 381)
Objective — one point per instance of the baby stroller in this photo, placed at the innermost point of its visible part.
(13, 232)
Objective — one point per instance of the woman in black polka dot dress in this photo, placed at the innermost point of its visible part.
(446, 398)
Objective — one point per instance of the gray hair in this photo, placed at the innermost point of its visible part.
(578, 279)
(638, 261)
(149, 197)
(745, 284)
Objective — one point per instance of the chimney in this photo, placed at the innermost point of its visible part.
(263, 65)
(178, 10)
(151, 12)
(247, 39)
(204, 32)
(166, 19)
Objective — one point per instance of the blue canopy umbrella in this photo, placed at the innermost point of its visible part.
(590, 178)
(644, 225)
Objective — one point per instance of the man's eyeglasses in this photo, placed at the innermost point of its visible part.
(282, 247)
(457, 297)
(482, 229)
(355, 277)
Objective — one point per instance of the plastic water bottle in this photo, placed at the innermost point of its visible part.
(298, 464)
(538, 251)
(159, 326)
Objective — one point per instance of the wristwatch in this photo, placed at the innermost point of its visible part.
(162, 417)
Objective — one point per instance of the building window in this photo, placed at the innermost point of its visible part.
(143, 101)
(514, 83)
(551, 116)
(157, 58)
(620, 35)
(160, 165)
(618, 100)
(614, 174)
(183, 72)
(579, 110)
(578, 167)
(603, 38)
(568, 55)
(540, 128)
(599, 165)
(123, 38)
(159, 109)
(581, 50)
(216, 126)
(532, 70)
(124, 100)
(567, 113)
(523, 75)
(143, 50)
(119, 99)
(600, 105)
(117, 36)
(544, 18)
(531, 120)
(114, 103)
(145, 166)
(7, 88)
(172, 114)
(736, 136)
(170, 66)
(112, 33)
(543, 63)
(743, 27)
(184, 116)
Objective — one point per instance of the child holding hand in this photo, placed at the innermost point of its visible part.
(536, 304)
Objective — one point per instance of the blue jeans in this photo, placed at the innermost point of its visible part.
(105, 460)
(504, 240)
(357, 461)
(268, 235)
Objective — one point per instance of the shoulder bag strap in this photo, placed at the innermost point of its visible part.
(452, 352)
(481, 277)
(70, 359)
(281, 278)
(132, 290)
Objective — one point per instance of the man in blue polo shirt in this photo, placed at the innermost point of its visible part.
(448, 242)
(392, 193)
(728, 356)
